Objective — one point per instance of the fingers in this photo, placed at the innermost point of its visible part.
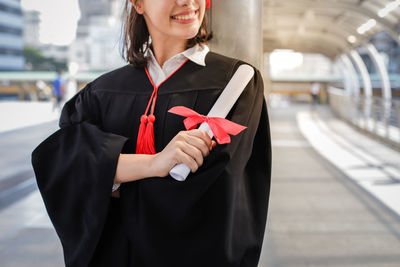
(213, 145)
(193, 152)
(198, 139)
(202, 135)
(200, 145)
(193, 146)
(188, 160)
(205, 138)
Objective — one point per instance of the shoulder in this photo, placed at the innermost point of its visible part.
(224, 67)
(119, 79)
(220, 62)
(228, 64)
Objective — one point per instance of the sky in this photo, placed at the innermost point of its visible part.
(59, 19)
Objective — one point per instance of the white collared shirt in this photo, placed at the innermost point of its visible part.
(196, 54)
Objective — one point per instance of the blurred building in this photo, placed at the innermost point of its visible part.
(31, 28)
(31, 38)
(11, 35)
(97, 43)
(90, 9)
(58, 52)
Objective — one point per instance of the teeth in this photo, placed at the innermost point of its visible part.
(186, 17)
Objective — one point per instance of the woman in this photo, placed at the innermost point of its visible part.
(117, 135)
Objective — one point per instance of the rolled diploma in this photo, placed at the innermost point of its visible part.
(221, 108)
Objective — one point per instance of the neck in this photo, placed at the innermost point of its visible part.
(165, 49)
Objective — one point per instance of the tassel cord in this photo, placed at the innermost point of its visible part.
(145, 139)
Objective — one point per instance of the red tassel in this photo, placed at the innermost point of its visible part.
(208, 3)
(145, 140)
(148, 138)
(142, 129)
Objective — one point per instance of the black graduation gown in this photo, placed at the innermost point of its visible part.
(216, 217)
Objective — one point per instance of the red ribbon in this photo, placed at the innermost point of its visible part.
(220, 127)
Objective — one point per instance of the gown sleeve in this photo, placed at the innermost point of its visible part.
(75, 169)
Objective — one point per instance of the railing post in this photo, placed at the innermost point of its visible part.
(387, 108)
(397, 105)
(375, 117)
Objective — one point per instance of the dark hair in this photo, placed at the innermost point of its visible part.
(136, 36)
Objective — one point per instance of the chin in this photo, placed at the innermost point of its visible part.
(191, 34)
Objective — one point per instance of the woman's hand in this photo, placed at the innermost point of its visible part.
(189, 147)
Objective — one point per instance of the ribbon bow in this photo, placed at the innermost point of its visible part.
(220, 127)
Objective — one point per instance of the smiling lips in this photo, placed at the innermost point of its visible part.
(185, 16)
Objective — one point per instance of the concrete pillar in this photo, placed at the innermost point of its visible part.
(266, 73)
(237, 28)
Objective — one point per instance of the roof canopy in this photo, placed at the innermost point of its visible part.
(325, 26)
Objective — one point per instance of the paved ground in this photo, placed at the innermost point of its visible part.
(19, 114)
(26, 234)
(319, 216)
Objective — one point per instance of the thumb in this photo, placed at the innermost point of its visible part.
(213, 144)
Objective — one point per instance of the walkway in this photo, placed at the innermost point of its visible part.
(318, 215)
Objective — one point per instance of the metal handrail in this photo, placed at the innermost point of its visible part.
(375, 115)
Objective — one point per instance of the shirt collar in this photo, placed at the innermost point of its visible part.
(196, 54)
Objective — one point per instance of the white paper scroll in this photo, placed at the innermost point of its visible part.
(221, 108)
